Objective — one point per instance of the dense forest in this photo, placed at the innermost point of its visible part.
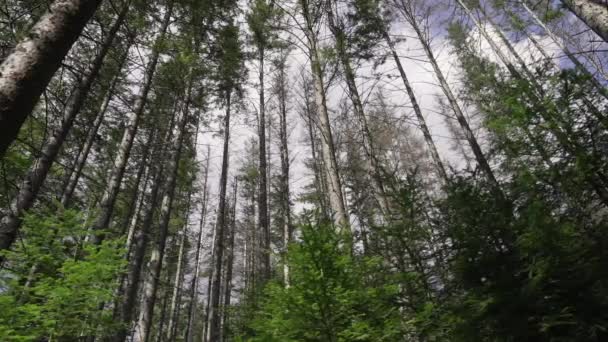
(303, 170)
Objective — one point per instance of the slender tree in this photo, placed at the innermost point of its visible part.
(229, 68)
(407, 8)
(336, 199)
(260, 21)
(106, 205)
(155, 263)
(192, 291)
(281, 90)
(229, 263)
(337, 27)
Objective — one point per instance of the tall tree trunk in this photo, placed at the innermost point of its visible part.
(26, 72)
(36, 175)
(155, 263)
(136, 249)
(336, 199)
(374, 168)
(593, 12)
(106, 205)
(209, 285)
(410, 17)
(597, 179)
(262, 170)
(557, 41)
(138, 195)
(281, 92)
(74, 176)
(214, 329)
(179, 276)
(317, 165)
(163, 311)
(229, 264)
(192, 293)
(417, 111)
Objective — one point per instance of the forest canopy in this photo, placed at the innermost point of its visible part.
(304, 170)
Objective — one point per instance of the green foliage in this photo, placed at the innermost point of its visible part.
(229, 57)
(59, 280)
(263, 22)
(531, 268)
(536, 274)
(368, 24)
(332, 296)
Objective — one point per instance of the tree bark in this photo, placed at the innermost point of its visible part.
(262, 169)
(36, 175)
(374, 168)
(417, 111)
(336, 199)
(594, 13)
(229, 265)
(194, 282)
(281, 92)
(214, 329)
(26, 72)
(137, 248)
(410, 17)
(74, 177)
(106, 205)
(597, 179)
(317, 164)
(155, 263)
(567, 52)
(209, 285)
(179, 276)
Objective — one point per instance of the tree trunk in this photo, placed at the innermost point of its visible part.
(138, 197)
(209, 285)
(317, 165)
(36, 175)
(281, 90)
(214, 329)
(179, 277)
(74, 176)
(194, 282)
(155, 263)
(374, 168)
(336, 199)
(464, 124)
(567, 52)
(163, 311)
(229, 264)
(597, 180)
(593, 12)
(262, 169)
(137, 248)
(417, 111)
(106, 205)
(26, 72)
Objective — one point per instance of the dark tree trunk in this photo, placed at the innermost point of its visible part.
(106, 205)
(194, 282)
(214, 329)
